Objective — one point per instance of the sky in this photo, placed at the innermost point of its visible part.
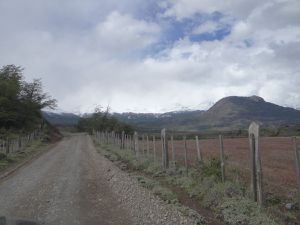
(154, 55)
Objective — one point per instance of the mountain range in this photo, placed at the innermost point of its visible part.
(61, 119)
(229, 113)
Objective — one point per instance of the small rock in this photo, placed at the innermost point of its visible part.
(290, 206)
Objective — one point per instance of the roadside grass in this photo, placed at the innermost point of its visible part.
(228, 201)
(29, 151)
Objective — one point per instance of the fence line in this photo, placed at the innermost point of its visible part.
(140, 145)
(18, 144)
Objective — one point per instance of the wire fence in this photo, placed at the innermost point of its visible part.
(19, 143)
(269, 165)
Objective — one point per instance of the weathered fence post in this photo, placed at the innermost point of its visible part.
(222, 158)
(113, 137)
(256, 170)
(297, 167)
(148, 148)
(199, 155)
(173, 150)
(185, 156)
(165, 153)
(106, 136)
(154, 148)
(136, 144)
(143, 145)
(122, 140)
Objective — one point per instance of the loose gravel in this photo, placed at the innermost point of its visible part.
(144, 207)
(73, 184)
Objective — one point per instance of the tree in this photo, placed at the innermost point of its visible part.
(21, 102)
(10, 87)
(103, 121)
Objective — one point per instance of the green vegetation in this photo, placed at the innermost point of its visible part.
(21, 102)
(226, 200)
(102, 120)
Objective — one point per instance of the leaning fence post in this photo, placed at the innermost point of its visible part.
(297, 166)
(185, 155)
(222, 158)
(165, 153)
(256, 183)
(199, 155)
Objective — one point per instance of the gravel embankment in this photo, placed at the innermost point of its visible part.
(144, 207)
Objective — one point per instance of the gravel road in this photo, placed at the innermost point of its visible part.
(65, 186)
(73, 184)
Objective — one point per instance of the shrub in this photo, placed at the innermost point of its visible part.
(212, 167)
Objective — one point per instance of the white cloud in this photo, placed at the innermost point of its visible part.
(88, 55)
(187, 8)
(207, 27)
(122, 33)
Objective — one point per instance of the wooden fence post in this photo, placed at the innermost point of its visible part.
(199, 155)
(256, 170)
(297, 167)
(106, 136)
(222, 158)
(130, 142)
(123, 140)
(148, 149)
(113, 137)
(173, 150)
(136, 144)
(185, 156)
(165, 153)
(142, 144)
(154, 148)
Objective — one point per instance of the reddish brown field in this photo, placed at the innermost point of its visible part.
(276, 154)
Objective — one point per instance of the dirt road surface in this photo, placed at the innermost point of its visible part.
(65, 186)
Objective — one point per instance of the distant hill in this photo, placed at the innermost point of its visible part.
(230, 113)
(61, 119)
(154, 121)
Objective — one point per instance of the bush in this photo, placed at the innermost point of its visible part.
(209, 168)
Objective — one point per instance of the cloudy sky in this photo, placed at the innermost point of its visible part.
(155, 55)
